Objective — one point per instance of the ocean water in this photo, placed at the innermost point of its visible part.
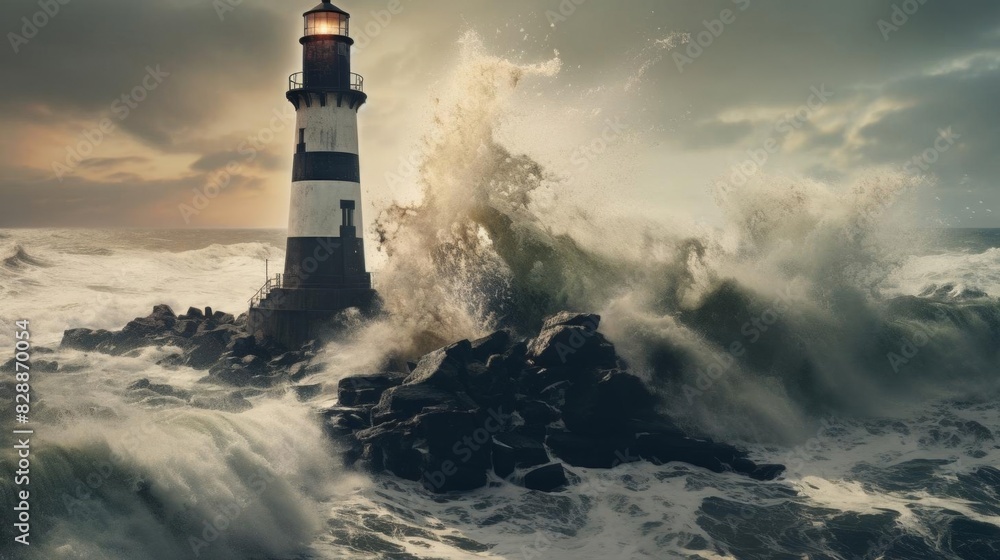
(869, 367)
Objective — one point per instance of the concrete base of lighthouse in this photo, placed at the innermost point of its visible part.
(294, 316)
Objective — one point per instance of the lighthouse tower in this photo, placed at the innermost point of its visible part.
(324, 269)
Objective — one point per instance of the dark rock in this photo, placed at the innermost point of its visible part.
(223, 318)
(661, 449)
(444, 369)
(407, 401)
(298, 371)
(511, 451)
(208, 346)
(494, 344)
(308, 392)
(767, 472)
(348, 419)
(546, 479)
(159, 389)
(44, 366)
(243, 345)
(194, 314)
(567, 319)
(455, 435)
(253, 364)
(573, 347)
(85, 339)
(590, 452)
(209, 313)
(185, 328)
(237, 376)
(537, 413)
(490, 386)
(367, 389)
(287, 359)
(602, 408)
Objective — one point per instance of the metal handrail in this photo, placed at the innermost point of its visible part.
(261, 295)
(297, 81)
(278, 282)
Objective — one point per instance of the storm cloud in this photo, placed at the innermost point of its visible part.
(710, 78)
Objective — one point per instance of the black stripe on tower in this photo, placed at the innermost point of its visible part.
(326, 166)
(326, 262)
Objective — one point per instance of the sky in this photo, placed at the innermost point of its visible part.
(121, 113)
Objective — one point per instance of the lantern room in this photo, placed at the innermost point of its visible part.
(327, 19)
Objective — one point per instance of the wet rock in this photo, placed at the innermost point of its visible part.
(572, 347)
(661, 449)
(567, 319)
(546, 479)
(513, 451)
(603, 408)
(223, 318)
(443, 369)
(367, 389)
(194, 314)
(590, 452)
(242, 345)
(407, 401)
(208, 346)
(494, 344)
(307, 392)
(287, 359)
(85, 339)
(185, 328)
(537, 413)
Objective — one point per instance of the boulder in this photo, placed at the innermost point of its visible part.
(308, 392)
(590, 452)
(367, 389)
(604, 407)
(494, 344)
(444, 369)
(223, 318)
(85, 339)
(513, 451)
(287, 359)
(567, 319)
(185, 328)
(406, 401)
(573, 347)
(537, 413)
(194, 314)
(661, 449)
(546, 479)
(243, 345)
(208, 346)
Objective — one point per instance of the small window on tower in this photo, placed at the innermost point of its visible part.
(347, 208)
(302, 141)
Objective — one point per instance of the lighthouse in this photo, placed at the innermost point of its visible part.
(324, 270)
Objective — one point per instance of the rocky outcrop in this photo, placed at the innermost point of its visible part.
(521, 410)
(207, 340)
